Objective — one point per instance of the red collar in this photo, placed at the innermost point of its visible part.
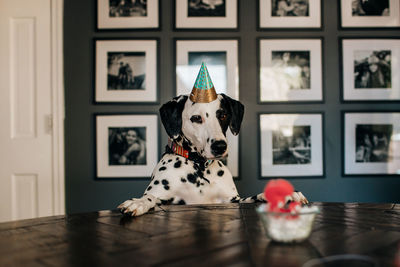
(177, 149)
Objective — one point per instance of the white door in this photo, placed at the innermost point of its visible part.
(26, 114)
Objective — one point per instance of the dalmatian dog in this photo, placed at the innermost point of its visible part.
(191, 170)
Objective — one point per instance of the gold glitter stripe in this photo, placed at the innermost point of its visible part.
(203, 96)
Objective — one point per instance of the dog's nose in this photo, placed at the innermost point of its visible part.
(218, 147)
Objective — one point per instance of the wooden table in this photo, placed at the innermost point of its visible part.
(205, 235)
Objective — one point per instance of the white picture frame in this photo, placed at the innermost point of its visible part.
(304, 15)
(371, 143)
(291, 145)
(142, 55)
(139, 15)
(225, 77)
(204, 17)
(290, 70)
(353, 15)
(364, 82)
(116, 156)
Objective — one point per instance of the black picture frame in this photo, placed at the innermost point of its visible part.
(127, 100)
(152, 24)
(283, 25)
(298, 174)
(320, 81)
(354, 25)
(347, 152)
(344, 83)
(156, 145)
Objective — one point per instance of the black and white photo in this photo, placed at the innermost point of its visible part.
(126, 70)
(221, 58)
(126, 145)
(128, 14)
(370, 69)
(371, 143)
(290, 13)
(290, 70)
(370, 13)
(295, 66)
(286, 8)
(128, 8)
(206, 14)
(206, 8)
(291, 144)
(370, 8)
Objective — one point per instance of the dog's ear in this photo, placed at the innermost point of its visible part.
(171, 116)
(237, 111)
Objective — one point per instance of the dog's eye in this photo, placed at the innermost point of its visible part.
(222, 117)
(196, 119)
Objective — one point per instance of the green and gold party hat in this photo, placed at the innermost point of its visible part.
(203, 90)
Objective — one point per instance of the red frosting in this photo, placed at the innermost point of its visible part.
(276, 193)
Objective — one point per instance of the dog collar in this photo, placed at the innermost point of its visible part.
(177, 149)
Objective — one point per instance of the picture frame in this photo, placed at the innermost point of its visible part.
(281, 14)
(222, 60)
(117, 14)
(192, 14)
(126, 145)
(290, 70)
(291, 145)
(369, 14)
(371, 143)
(370, 69)
(127, 70)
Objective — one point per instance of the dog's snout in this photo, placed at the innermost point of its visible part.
(218, 147)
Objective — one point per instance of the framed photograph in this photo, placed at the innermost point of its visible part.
(126, 145)
(127, 14)
(206, 14)
(290, 70)
(290, 13)
(370, 13)
(371, 143)
(371, 69)
(221, 58)
(291, 145)
(126, 70)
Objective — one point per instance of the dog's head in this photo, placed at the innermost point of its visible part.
(202, 125)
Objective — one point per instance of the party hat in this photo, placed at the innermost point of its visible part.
(203, 90)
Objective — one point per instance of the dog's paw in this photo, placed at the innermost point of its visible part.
(137, 206)
(299, 197)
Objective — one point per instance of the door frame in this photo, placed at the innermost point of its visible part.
(58, 105)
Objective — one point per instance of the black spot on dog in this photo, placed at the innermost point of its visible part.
(166, 187)
(166, 202)
(206, 114)
(177, 158)
(156, 182)
(235, 200)
(181, 202)
(178, 139)
(178, 164)
(220, 173)
(149, 188)
(183, 180)
(219, 163)
(186, 162)
(164, 182)
(197, 183)
(163, 163)
(208, 172)
(201, 183)
(201, 192)
(254, 197)
(191, 178)
(149, 199)
(208, 140)
(169, 160)
(162, 169)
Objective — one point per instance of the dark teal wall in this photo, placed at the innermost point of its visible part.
(86, 193)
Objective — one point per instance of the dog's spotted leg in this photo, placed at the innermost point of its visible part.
(299, 197)
(253, 199)
(138, 206)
